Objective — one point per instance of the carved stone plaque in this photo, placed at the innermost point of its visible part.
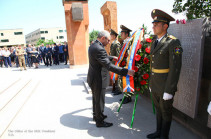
(191, 36)
(77, 11)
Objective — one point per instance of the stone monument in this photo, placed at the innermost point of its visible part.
(77, 26)
(191, 36)
(109, 12)
(194, 87)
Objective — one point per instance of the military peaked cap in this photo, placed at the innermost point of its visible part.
(125, 29)
(113, 32)
(161, 16)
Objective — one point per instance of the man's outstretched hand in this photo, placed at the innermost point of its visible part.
(131, 72)
(115, 58)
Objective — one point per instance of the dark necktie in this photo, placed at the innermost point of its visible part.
(156, 43)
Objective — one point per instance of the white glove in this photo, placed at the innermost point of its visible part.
(167, 96)
(209, 108)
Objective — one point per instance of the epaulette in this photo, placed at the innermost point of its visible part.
(172, 37)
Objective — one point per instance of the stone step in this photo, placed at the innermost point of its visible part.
(14, 106)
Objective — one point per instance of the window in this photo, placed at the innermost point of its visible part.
(5, 40)
(2, 34)
(65, 30)
(61, 37)
(18, 33)
(60, 31)
(42, 32)
(42, 38)
(57, 37)
(46, 31)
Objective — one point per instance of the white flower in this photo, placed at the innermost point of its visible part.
(146, 36)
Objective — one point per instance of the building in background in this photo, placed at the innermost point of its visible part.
(58, 35)
(12, 37)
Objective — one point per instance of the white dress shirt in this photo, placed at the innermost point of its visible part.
(6, 53)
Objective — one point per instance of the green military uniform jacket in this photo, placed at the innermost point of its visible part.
(20, 52)
(121, 46)
(166, 62)
(114, 49)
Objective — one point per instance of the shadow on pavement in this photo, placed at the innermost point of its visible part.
(77, 121)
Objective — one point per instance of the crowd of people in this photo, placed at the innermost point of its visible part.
(32, 56)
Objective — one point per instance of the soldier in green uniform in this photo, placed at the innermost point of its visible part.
(20, 52)
(125, 35)
(115, 45)
(166, 61)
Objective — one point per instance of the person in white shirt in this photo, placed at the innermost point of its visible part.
(7, 60)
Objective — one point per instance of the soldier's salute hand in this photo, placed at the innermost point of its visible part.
(131, 72)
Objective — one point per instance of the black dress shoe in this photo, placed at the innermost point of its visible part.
(153, 135)
(127, 100)
(103, 124)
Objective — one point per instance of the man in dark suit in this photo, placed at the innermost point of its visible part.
(42, 52)
(48, 53)
(56, 54)
(98, 58)
(166, 62)
(65, 49)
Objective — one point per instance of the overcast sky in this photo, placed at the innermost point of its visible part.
(33, 14)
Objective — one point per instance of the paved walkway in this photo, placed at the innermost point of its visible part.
(52, 103)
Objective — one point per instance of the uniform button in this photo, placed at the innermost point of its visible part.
(152, 61)
(152, 73)
(153, 56)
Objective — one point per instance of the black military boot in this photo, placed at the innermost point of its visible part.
(127, 100)
(117, 91)
(165, 129)
(159, 126)
(114, 88)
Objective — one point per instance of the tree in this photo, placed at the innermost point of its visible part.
(193, 8)
(93, 36)
(40, 41)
